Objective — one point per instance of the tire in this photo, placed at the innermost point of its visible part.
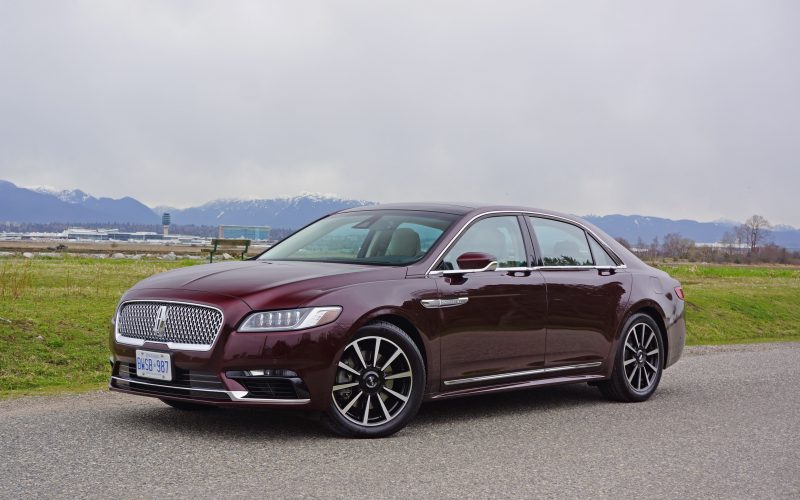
(394, 378)
(639, 361)
(186, 406)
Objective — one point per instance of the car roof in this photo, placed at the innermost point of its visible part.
(458, 208)
(450, 208)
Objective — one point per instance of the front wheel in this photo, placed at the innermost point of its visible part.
(638, 363)
(379, 383)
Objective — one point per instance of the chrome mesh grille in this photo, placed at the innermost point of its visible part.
(184, 323)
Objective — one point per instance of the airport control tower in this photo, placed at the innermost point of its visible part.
(165, 220)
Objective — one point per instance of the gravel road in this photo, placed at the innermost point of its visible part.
(725, 423)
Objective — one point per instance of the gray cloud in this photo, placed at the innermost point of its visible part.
(677, 109)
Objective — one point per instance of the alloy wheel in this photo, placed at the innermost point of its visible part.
(373, 381)
(642, 357)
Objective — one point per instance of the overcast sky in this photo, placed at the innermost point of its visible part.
(674, 109)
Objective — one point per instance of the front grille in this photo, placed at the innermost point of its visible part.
(182, 323)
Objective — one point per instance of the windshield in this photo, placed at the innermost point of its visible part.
(381, 237)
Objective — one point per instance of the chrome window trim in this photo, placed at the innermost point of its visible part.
(233, 395)
(121, 339)
(537, 371)
(431, 272)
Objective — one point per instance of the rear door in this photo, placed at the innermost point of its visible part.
(587, 292)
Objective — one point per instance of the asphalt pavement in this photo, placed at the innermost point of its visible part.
(725, 423)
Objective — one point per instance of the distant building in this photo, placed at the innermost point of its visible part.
(252, 233)
(166, 219)
(81, 234)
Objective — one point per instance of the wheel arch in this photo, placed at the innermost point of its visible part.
(654, 311)
(408, 327)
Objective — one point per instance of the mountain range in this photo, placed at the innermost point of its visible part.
(42, 205)
(47, 205)
(288, 212)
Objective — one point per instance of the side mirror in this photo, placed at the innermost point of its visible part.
(477, 261)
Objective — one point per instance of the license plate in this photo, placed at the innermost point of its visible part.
(155, 365)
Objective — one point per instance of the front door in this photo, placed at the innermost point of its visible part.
(492, 322)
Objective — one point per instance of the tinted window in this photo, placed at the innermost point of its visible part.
(601, 257)
(561, 244)
(388, 237)
(498, 236)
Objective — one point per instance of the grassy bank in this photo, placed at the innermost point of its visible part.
(54, 319)
(55, 314)
(736, 304)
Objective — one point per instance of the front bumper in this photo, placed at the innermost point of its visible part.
(212, 389)
(290, 369)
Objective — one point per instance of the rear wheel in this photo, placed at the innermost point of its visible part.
(378, 385)
(186, 406)
(639, 361)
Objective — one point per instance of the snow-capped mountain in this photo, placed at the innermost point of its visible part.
(44, 205)
(74, 196)
(286, 212)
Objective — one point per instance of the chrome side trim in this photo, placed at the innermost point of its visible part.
(233, 395)
(530, 269)
(431, 272)
(537, 371)
(121, 339)
(442, 303)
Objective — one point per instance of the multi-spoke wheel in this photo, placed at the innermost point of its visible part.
(639, 361)
(378, 383)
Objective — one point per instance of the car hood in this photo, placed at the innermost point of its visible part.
(268, 283)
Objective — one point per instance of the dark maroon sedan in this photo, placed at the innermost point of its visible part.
(365, 313)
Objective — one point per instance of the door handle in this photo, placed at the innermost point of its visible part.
(519, 273)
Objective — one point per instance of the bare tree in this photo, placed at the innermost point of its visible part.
(728, 241)
(654, 248)
(622, 241)
(741, 233)
(757, 229)
(676, 246)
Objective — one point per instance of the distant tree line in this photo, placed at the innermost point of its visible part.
(747, 243)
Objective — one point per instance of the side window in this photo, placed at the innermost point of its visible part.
(561, 244)
(497, 236)
(601, 257)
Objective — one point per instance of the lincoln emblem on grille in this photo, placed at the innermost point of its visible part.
(161, 321)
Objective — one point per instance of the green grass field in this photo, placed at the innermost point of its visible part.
(55, 314)
(737, 304)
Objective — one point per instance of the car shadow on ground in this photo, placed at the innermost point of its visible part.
(245, 424)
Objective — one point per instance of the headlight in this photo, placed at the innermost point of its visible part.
(290, 319)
